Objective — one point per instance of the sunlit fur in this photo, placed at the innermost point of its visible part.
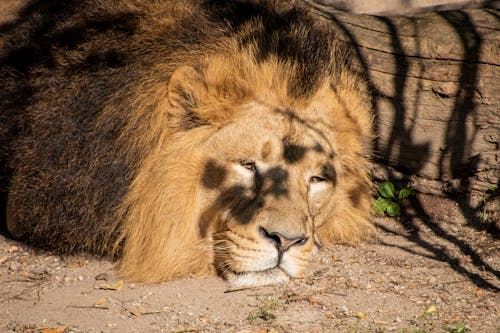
(179, 118)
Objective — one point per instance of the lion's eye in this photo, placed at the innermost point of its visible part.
(250, 165)
(317, 179)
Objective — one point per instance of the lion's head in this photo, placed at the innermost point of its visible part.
(251, 177)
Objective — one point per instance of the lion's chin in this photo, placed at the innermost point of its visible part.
(257, 279)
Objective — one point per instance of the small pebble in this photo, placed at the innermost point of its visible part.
(101, 276)
(14, 266)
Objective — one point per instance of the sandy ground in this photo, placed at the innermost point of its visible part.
(426, 273)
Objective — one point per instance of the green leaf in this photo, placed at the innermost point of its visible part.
(405, 193)
(459, 328)
(392, 209)
(387, 190)
(380, 206)
(492, 190)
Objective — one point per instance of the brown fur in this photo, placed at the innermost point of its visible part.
(118, 144)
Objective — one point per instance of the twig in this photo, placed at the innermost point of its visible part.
(150, 313)
(88, 307)
(239, 289)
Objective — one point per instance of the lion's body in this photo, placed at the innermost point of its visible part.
(117, 118)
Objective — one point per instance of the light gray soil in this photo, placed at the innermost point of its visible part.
(427, 273)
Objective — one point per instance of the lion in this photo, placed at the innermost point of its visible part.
(183, 139)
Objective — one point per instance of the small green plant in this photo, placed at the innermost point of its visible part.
(459, 328)
(264, 311)
(430, 310)
(389, 200)
(260, 313)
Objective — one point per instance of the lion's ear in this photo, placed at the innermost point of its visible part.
(186, 88)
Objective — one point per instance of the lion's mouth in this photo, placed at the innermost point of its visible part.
(274, 275)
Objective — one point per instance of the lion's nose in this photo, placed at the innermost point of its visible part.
(282, 242)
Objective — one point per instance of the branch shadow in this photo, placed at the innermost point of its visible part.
(461, 162)
(456, 158)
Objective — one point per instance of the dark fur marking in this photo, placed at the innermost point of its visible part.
(318, 148)
(328, 171)
(293, 153)
(355, 194)
(214, 175)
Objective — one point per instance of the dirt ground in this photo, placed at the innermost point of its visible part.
(431, 271)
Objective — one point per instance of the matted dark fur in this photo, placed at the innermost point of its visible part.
(73, 75)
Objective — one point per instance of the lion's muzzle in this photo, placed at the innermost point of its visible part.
(268, 257)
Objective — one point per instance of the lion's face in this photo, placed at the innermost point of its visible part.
(266, 187)
(248, 180)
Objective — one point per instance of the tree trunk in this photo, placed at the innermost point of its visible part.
(435, 79)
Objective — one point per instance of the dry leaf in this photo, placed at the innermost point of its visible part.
(361, 315)
(479, 292)
(113, 286)
(314, 300)
(137, 311)
(59, 329)
(76, 264)
(351, 283)
(101, 276)
(329, 314)
(100, 301)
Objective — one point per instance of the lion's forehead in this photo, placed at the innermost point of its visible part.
(270, 148)
(272, 134)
